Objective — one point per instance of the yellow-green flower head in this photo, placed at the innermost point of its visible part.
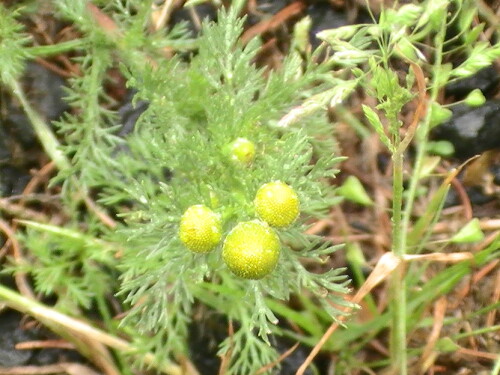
(251, 250)
(200, 229)
(242, 151)
(277, 204)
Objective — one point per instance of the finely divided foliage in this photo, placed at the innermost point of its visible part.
(176, 157)
(195, 111)
(12, 42)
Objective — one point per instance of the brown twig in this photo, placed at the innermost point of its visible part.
(462, 194)
(71, 69)
(20, 277)
(103, 20)
(419, 111)
(21, 212)
(319, 226)
(272, 23)
(226, 358)
(188, 367)
(160, 17)
(379, 347)
(41, 344)
(103, 216)
(484, 271)
(478, 354)
(281, 358)
(495, 297)
(427, 358)
(38, 176)
(485, 225)
(69, 368)
(53, 68)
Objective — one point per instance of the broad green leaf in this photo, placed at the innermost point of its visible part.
(439, 114)
(408, 14)
(446, 345)
(475, 98)
(353, 190)
(441, 148)
(472, 35)
(333, 35)
(471, 232)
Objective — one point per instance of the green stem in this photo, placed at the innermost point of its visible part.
(423, 133)
(496, 367)
(42, 130)
(398, 282)
(397, 200)
(401, 220)
(57, 49)
(108, 322)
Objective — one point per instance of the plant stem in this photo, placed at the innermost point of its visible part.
(45, 135)
(496, 367)
(423, 132)
(398, 282)
(401, 220)
(56, 49)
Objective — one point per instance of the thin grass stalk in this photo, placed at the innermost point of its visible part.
(398, 281)
(401, 221)
(424, 132)
(44, 133)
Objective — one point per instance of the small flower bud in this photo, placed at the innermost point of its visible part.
(200, 229)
